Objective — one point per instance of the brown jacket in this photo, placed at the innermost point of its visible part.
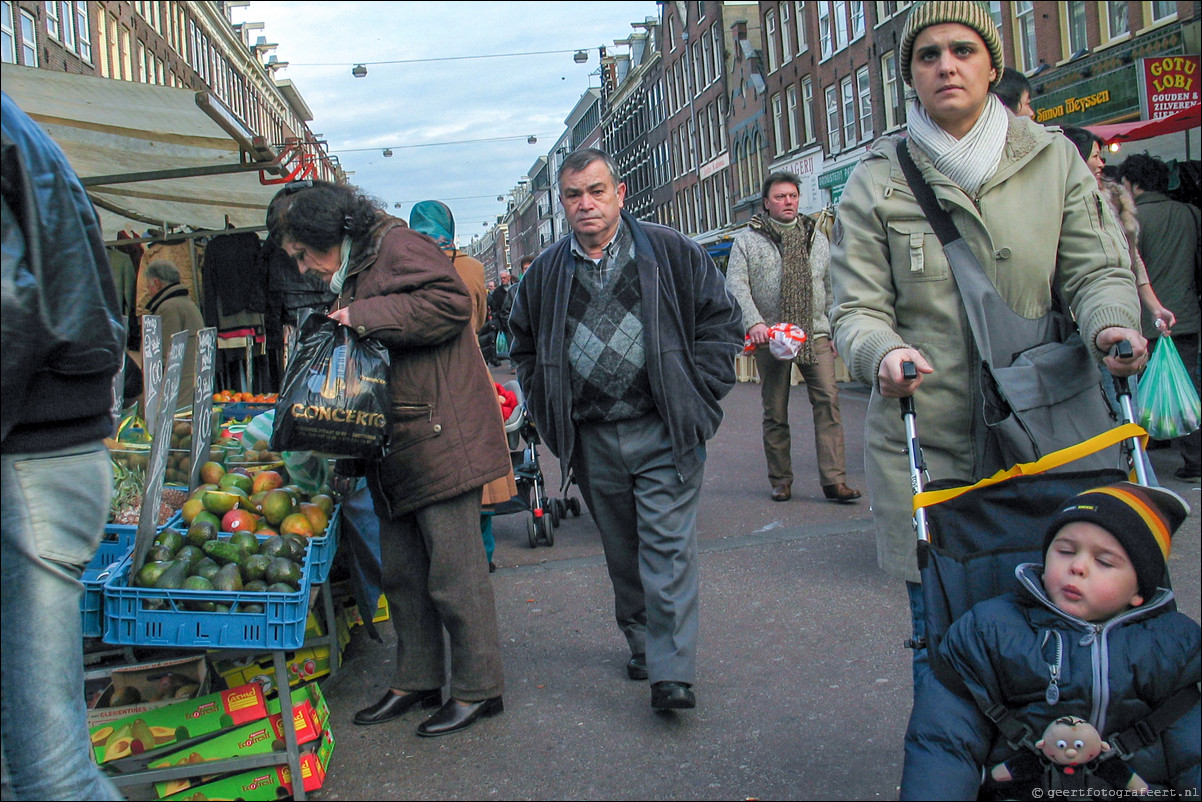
(445, 433)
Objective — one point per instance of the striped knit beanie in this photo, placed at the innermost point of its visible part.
(938, 12)
(1142, 519)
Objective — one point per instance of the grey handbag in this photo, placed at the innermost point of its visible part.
(1040, 387)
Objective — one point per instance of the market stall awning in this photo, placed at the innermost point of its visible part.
(1146, 129)
(115, 131)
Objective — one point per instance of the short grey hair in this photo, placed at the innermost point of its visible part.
(163, 270)
(580, 159)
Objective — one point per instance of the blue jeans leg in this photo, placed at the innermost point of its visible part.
(52, 512)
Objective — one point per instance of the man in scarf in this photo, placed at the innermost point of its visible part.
(778, 272)
(169, 300)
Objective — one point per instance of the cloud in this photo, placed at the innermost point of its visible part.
(399, 105)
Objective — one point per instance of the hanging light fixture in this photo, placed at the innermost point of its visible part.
(531, 139)
(580, 57)
(387, 153)
(359, 71)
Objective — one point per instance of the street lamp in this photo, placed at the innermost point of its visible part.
(387, 153)
(359, 71)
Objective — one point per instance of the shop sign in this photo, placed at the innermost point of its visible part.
(806, 170)
(1168, 84)
(1102, 97)
(714, 165)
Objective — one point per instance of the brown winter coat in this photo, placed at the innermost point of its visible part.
(1123, 206)
(445, 432)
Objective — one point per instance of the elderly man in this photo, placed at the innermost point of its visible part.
(779, 271)
(169, 300)
(624, 341)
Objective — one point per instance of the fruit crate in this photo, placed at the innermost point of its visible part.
(115, 547)
(128, 621)
(129, 530)
(322, 549)
(241, 410)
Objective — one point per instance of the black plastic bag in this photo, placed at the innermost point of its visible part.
(334, 399)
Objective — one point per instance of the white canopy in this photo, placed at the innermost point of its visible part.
(118, 129)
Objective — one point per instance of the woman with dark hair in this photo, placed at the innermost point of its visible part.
(1014, 90)
(1089, 145)
(445, 443)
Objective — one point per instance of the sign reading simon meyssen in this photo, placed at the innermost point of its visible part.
(1168, 84)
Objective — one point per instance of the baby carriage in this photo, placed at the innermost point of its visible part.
(971, 538)
(545, 512)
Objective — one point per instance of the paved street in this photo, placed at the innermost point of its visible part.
(803, 686)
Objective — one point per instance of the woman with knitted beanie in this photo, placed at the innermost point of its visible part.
(1029, 210)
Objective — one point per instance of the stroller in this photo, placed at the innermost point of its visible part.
(972, 538)
(545, 512)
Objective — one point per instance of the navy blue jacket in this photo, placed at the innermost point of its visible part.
(691, 322)
(63, 331)
(1112, 674)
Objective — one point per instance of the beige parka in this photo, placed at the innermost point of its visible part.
(1037, 221)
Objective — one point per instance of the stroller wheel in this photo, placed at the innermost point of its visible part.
(574, 505)
(548, 531)
(551, 509)
(532, 531)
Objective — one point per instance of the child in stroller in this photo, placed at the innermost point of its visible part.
(545, 512)
(1092, 634)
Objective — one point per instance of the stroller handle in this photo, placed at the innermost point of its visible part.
(1122, 391)
(917, 464)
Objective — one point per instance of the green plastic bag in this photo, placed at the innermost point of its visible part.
(502, 344)
(1168, 403)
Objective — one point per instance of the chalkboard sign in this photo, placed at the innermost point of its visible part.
(152, 367)
(202, 401)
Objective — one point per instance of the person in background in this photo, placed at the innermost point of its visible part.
(434, 219)
(896, 300)
(624, 341)
(62, 340)
(169, 300)
(1014, 90)
(1168, 242)
(779, 271)
(446, 443)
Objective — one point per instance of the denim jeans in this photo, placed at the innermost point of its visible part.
(53, 507)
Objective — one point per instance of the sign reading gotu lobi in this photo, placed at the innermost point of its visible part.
(335, 395)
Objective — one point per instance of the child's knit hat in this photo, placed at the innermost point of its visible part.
(939, 12)
(1142, 519)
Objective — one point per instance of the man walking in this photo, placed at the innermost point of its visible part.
(779, 272)
(169, 299)
(624, 342)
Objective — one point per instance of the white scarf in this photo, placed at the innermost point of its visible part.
(340, 277)
(967, 161)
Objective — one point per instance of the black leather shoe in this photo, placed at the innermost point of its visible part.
(672, 696)
(840, 493)
(636, 667)
(394, 705)
(782, 493)
(455, 716)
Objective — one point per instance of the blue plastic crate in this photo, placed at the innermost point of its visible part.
(323, 548)
(117, 543)
(130, 530)
(128, 621)
(241, 410)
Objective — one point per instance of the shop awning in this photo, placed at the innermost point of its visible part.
(115, 131)
(1146, 129)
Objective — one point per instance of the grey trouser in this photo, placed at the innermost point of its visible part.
(647, 518)
(435, 575)
(824, 400)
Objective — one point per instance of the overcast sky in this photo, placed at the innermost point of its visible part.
(447, 100)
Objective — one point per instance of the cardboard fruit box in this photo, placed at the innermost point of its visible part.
(310, 714)
(152, 729)
(118, 692)
(303, 664)
(269, 783)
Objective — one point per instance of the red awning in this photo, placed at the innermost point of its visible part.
(1146, 129)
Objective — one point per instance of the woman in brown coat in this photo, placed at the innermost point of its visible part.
(445, 444)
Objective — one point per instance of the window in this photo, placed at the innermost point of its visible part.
(1077, 42)
(8, 40)
(802, 43)
(69, 28)
(52, 18)
(672, 33)
(1163, 9)
(786, 19)
(721, 114)
(857, 19)
(29, 40)
(777, 124)
(849, 111)
(864, 87)
(890, 90)
(770, 26)
(887, 8)
(1117, 21)
(825, 34)
(708, 60)
(794, 142)
(718, 60)
(106, 70)
(697, 84)
(83, 30)
(127, 70)
(839, 12)
(995, 12)
(1024, 21)
(807, 106)
(834, 144)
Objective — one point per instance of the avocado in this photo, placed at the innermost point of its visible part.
(207, 568)
(160, 554)
(275, 546)
(149, 573)
(255, 586)
(298, 544)
(229, 578)
(284, 571)
(201, 532)
(173, 577)
(245, 541)
(255, 567)
(224, 552)
(198, 583)
(170, 538)
(192, 554)
(280, 587)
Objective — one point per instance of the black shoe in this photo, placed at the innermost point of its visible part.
(1187, 474)
(636, 667)
(492, 567)
(672, 696)
(455, 716)
(394, 705)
